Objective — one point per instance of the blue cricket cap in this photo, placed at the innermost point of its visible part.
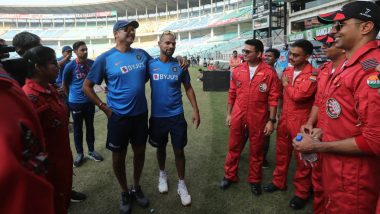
(123, 23)
(66, 48)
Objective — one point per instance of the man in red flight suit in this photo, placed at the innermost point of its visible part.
(337, 57)
(300, 85)
(351, 133)
(23, 187)
(254, 87)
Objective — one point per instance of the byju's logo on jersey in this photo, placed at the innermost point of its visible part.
(165, 77)
(124, 69)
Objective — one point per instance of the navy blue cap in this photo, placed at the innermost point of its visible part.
(362, 10)
(123, 23)
(66, 48)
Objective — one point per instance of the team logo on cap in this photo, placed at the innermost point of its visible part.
(138, 57)
(333, 108)
(373, 81)
(263, 87)
(174, 69)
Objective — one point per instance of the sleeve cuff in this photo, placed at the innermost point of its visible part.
(361, 142)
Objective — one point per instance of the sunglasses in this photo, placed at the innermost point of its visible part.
(339, 25)
(245, 51)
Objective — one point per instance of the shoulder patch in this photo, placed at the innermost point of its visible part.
(369, 64)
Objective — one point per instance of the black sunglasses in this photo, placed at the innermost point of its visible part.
(245, 51)
(339, 25)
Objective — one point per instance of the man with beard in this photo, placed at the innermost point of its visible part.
(125, 71)
(80, 105)
(350, 144)
(167, 116)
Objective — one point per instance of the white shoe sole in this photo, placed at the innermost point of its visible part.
(184, 204)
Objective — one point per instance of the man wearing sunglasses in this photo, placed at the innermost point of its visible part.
(254, 88)
(350, 144)
(337, 57)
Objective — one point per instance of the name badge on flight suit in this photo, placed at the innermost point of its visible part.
(333, 108)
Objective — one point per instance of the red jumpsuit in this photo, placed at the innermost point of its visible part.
(23, 186)
(250, 100)
(324, 73)
(298, 100)
(53, 116)
(352, 108)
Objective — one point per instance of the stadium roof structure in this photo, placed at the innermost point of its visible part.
(104, 5)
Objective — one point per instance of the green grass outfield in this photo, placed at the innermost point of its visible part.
(205, 156)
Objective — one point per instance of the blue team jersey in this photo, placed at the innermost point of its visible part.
(60, 74)
(125, 75)
(165, 82)
(74, 75)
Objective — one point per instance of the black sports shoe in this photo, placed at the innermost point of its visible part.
(78, 160)
(77, 196)
(125, 203)
(225, 183)
(256, 189)
(297, 203)
(272, 188)
(95, 156)
(139, 196)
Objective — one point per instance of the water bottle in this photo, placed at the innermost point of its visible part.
(310, 157)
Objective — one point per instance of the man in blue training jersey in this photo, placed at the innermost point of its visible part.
(167, 116)
(67, 52)
(124, 70)
(80, 105)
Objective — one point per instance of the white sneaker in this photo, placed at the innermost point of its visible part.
(163, 183)
(184, 194)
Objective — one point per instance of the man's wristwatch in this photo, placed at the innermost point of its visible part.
(273, 120)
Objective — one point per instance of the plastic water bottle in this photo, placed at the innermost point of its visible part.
(310, 157)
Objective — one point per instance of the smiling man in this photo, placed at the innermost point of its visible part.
(254, 88)
(350, 144)
(124, 70)
(166, 77)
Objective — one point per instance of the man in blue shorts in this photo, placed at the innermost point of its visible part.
(81, 107)
(124, 70)
(167, 116)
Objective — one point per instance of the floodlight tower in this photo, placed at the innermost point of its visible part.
(269, 21)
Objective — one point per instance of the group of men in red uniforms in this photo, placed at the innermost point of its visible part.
(334, 108)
